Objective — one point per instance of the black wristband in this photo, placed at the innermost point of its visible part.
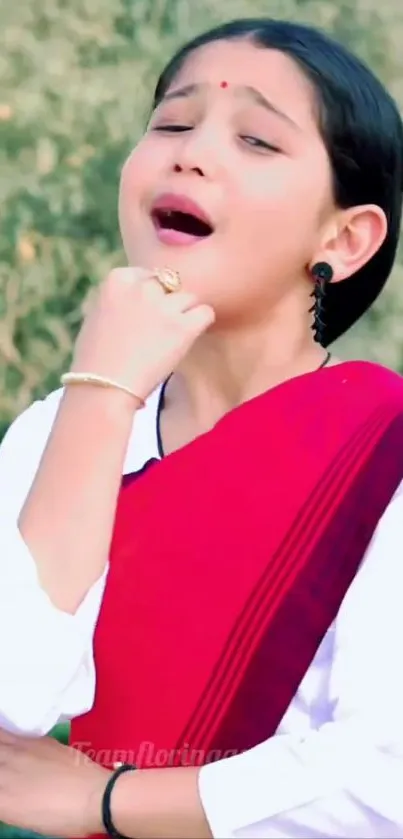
(106, 801)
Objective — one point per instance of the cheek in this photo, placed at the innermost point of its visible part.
(132, 188)
(283, 195)
(140, 173)
(132, 179)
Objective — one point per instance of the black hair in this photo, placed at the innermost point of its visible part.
(361, 127)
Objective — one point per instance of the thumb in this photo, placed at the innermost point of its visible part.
(199, 319)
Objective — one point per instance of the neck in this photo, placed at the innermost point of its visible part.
(229, 366)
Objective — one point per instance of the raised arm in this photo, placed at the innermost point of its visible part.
(135, 335)
(55, 536)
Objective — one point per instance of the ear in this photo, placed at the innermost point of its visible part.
(353, 238)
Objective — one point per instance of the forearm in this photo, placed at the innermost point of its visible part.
(328, 784)
(159, 804)
(68, 517)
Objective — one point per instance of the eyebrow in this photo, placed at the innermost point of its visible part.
(247, 91)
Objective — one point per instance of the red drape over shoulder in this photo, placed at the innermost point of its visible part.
(229, 562)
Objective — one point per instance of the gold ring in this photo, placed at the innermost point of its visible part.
(168, 279)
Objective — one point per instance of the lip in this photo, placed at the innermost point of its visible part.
(180, 204)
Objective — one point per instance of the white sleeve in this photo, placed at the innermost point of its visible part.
(47, 671)
(345, 777)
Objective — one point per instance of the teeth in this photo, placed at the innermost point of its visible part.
(183, 222)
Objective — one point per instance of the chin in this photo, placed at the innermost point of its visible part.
(196, 265)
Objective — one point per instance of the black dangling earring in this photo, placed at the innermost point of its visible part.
(322, 274)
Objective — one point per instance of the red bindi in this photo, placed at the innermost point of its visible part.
(224, 84)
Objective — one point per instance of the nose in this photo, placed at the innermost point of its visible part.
(198, 153)
(180, 168)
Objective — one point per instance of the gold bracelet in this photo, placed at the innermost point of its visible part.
(100, 381)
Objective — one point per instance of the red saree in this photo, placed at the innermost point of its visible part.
(229, 562)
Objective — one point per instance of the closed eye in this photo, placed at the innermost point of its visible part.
(252, 141)
(172, 128)
(260, 144)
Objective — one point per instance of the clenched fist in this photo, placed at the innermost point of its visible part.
(135, 333)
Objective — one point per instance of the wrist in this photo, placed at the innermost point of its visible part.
(118, 803)
(93, 821)
(108, 403)
(96, 380)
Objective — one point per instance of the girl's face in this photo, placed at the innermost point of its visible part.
(236, 134)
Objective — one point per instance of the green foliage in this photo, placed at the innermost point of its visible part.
(77, 77)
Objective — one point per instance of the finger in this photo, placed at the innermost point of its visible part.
(7, 737)
(8, 754)
(180, 302)
(130, 275)
(153, 290)
(197, 320)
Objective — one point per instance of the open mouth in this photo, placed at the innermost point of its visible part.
(181, 222)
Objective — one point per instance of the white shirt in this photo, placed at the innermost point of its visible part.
(335, 766)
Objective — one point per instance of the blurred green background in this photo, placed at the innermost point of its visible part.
(76, 83)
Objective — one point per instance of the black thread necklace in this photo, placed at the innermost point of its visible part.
(161, 402)
(326, 361)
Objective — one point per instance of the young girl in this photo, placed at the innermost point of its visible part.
(210, 587)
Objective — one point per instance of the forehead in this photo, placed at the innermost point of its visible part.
(240, 63)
